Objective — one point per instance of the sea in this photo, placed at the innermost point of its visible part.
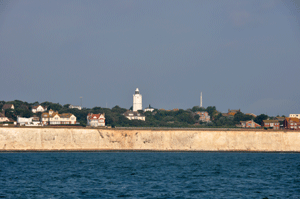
(149, 175)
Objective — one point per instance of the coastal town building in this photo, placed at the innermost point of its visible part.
(295, 115)
(3, 118)
(39, 108)
(274, 124)
(53, 118)
(151, 109)
(78, 107)
(137, 101)
(96, 120)
(249, 124)
(134, 115)
(204, 117)
(291, 123)
(8, 106)
(251, 114)
(32, 121)
(233, 112)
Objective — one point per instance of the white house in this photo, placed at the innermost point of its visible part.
(96, 119)
(53, 118)
(134, 115)
(78, 107)
(32, 121)
(3, 118)
(151, 109)
(295, 116)
(39, 108)
(137, 101)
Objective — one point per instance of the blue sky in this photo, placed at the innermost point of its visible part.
(240, 54)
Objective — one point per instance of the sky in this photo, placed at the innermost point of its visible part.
(239, 54)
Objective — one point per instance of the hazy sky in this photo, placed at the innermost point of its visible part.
(240, 54)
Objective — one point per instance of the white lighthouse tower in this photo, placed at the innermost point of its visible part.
(137, 101)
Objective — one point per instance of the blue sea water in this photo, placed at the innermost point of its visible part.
(149, 175)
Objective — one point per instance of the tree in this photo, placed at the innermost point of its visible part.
(197, 108)
(239, 116)
(260, 118)
(66, 105)
(118, 110)
(211, 110)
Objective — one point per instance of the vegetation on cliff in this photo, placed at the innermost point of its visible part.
(157, 118)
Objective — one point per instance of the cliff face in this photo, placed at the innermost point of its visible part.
(45, 139)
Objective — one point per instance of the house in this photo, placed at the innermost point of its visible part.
(295, 115)
(3, 118)
(151, 109)
(96, 119)
(249, 124)
(32, 121)
(291, 123)
(280, 119)
(204, 117)
(53, 118)
(78, 107)
(8, 106)
(274, 124)
(39, 108)
(233, 112)
(251, 114)
(134, 115)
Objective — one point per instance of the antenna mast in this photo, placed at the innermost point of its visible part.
(201, 100)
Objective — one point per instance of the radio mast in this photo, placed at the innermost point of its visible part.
(201, 100)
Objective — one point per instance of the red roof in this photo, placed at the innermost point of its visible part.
(94, 116)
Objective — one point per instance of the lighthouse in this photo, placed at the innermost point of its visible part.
(137, 100)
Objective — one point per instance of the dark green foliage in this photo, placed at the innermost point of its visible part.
(157, 118)
(118, 110)
(197, 108)
(211, 110)
(239, 116)
(66, 106)
(260, 118)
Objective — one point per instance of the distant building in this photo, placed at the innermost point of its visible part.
(271, 124)
(280, 119)
(134, 115)
(32, 121)
(295, 115)
(204, 117)
(96, 119)
(249, 124)
(39, 108)
(252, 114)
(3, 118)
(137, 101)
(291, 123)
(151, 109)
(53, 118)
(233, 112)
(8, 106)
(78, 107)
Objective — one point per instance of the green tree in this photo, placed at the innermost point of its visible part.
(260, 118)
(211, 110)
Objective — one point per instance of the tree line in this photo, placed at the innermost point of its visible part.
(158, 118)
